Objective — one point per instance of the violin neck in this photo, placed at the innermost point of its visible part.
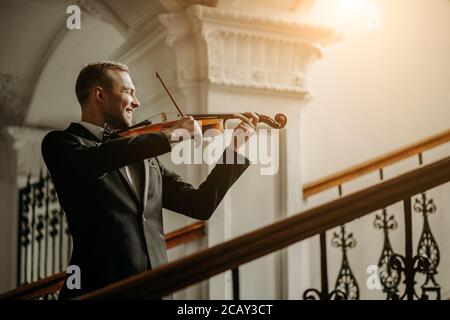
(224, 116)
(146, 122)
(278, 122)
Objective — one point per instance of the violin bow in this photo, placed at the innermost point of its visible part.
(168, 92)
(278, 122)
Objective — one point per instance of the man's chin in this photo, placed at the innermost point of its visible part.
(128, 121)
(125, 123)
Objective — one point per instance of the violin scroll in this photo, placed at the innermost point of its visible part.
(279, 122)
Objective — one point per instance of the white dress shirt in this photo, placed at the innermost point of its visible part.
(98, 132)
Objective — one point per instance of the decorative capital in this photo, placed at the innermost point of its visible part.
(91, 9)
(11, 111)
(243, 50)
(180, 5)
(26, 142)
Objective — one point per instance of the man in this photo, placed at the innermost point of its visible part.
(113, 190)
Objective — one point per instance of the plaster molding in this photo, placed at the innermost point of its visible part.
(257, 61)
(26, 143)
(11, 103)
(101, 10)
(143, 36)
(283, 26)
(90, 8)
(135, 48)
(243, 50)
(180, 5)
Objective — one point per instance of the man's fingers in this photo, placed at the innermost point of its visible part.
(243, 119)
(254, 118)
(198, 135)
(245, 129)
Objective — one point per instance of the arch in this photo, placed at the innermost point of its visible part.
(53, 101)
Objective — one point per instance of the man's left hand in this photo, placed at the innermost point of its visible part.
(245, 129)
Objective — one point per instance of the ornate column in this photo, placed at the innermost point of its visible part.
(20, 156)
(232, 61)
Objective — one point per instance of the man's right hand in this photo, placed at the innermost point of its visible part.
(185, 128)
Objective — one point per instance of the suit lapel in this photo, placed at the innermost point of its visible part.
(81, 131)
(129, 185)
(146, 177)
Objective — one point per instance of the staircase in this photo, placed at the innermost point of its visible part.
(231, 254)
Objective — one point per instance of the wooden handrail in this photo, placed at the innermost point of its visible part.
(36, 289)
(54, 283)
(186, 234)
(204, 264)
(377, 163)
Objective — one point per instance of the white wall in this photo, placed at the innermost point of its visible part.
(375, 91)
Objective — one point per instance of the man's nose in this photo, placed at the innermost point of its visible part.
(135, 103)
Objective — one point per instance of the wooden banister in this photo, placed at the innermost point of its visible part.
(36, 289)
(377, 163)
(204, 264)
(186, 234)
(54, 283)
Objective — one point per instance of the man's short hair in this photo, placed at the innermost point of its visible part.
(96, 73)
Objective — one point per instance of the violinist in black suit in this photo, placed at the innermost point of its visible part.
(113, 190)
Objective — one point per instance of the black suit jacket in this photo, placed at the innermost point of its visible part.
(115, 232)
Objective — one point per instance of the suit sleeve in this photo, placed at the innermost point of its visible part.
(182, 197)
(64, 151)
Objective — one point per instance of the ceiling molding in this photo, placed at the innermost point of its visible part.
(181, 5)
(243, 50)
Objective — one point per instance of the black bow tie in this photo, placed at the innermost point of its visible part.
(108, 133)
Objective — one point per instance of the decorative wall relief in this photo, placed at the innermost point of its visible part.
(11, 111)
(242, 50)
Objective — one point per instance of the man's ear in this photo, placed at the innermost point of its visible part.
(99, 94)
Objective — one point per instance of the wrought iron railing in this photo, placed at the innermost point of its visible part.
(48, 288)
(229, 255)
(394, 269)
(44, 243)
(391, 266)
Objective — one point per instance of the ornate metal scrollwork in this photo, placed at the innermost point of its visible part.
(428, 247)
(314, 294)
(425, 261)
(24, 232)
(40, 223)
(346, 281)
(419, 264)
(390, 278)
(43, 237)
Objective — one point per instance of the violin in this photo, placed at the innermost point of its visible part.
(206, 121)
